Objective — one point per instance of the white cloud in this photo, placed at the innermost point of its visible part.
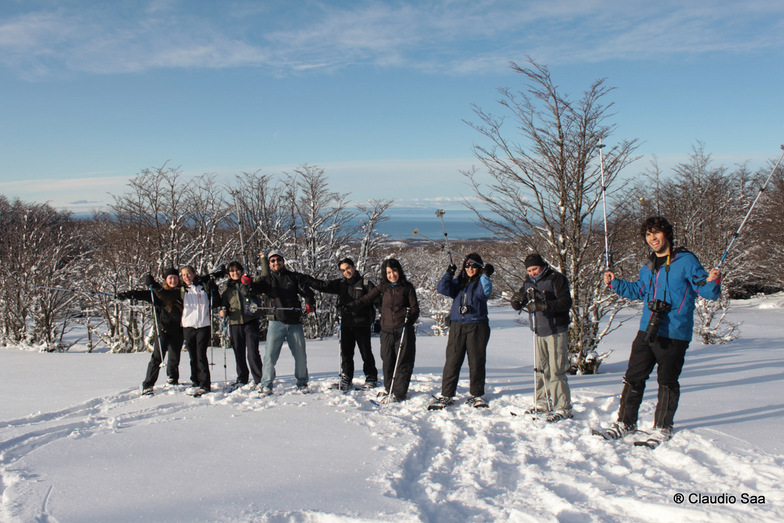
(456, 36)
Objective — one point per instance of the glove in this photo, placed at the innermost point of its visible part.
(245, 279)
(489, 269)
(517, 301)
(451, 270)
(219, 272)
(122, 296)
(149, 280)
(536, 306)
(309, 309)
(344, 311)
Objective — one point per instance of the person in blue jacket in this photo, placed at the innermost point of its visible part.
(469, 329)
(668, 284)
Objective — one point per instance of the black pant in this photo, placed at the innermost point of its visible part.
(171, 343)
(390, 343)
(669, 355)
(197, 341)
(470, 339)
(359, 335)
(245, 341)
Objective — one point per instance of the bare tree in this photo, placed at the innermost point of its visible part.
(545, 183)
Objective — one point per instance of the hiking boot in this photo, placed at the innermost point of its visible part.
(661, 433)
(345, 384)
(370, 383)
(537, 410)
(618, 430)
(147, 391)
(559, 415)
(478, 402)
(265, 391)
(304, 389)
(440, 402)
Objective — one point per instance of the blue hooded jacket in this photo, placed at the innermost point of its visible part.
(677, 283)
(474, 294)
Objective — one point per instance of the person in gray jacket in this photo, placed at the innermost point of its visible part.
(546, 297)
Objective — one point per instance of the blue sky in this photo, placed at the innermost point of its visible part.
(374, 92)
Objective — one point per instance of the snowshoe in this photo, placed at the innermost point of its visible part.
(537, 411)
(653, 439)
(478, 402)
(304, 389)
(148, 391)
(370, 383)
(344, 385)
(558, 415)
(234, 385)
(440, 402)
(197, 392)
(617, 431)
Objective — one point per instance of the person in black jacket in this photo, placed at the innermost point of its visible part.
(545, 295)
(167, 300)
(243, 327)
(284, 288)
(399, 313)
(355, 324)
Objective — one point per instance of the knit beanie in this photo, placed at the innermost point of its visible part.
(534, 260)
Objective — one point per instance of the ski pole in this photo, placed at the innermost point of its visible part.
(397, 358)
(78, 291)
(340, 349)
(157, 330)
(416, 232)
(440, 214)
(764, 185)
(225, 345)
(604, 208)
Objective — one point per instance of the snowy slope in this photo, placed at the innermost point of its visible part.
(77, 443)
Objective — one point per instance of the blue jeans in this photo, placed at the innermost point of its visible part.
(295, 336)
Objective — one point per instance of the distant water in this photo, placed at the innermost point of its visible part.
(460, 224)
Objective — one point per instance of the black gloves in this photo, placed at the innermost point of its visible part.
(219, 272)
(451, 269)
(518, 301)
(489, 269)
(536, 306)
(149, 280)
(123, 296)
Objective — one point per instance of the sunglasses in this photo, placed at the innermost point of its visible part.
(276, 260)
(469, 265)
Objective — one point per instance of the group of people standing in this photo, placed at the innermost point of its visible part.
(668, 284)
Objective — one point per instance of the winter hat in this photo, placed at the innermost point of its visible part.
(474, 257)
(534, 260)
(171, 271)
(275, 252)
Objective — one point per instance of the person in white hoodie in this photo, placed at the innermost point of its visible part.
(199, 294)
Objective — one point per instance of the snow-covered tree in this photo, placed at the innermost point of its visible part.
(544, 186)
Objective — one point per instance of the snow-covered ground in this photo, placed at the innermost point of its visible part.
(78, 444)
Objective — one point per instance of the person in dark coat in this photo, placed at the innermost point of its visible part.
(243, 327)
(355, 325)
(545, 295)
(167, 300)
(399, 313)
(469, 329)
(284, 288)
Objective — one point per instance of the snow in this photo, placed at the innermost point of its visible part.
(78, 443)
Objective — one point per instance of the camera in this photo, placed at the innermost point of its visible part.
(465, 309)
(658, 309)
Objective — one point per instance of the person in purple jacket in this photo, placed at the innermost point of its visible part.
(469, 330)
(669, 283)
